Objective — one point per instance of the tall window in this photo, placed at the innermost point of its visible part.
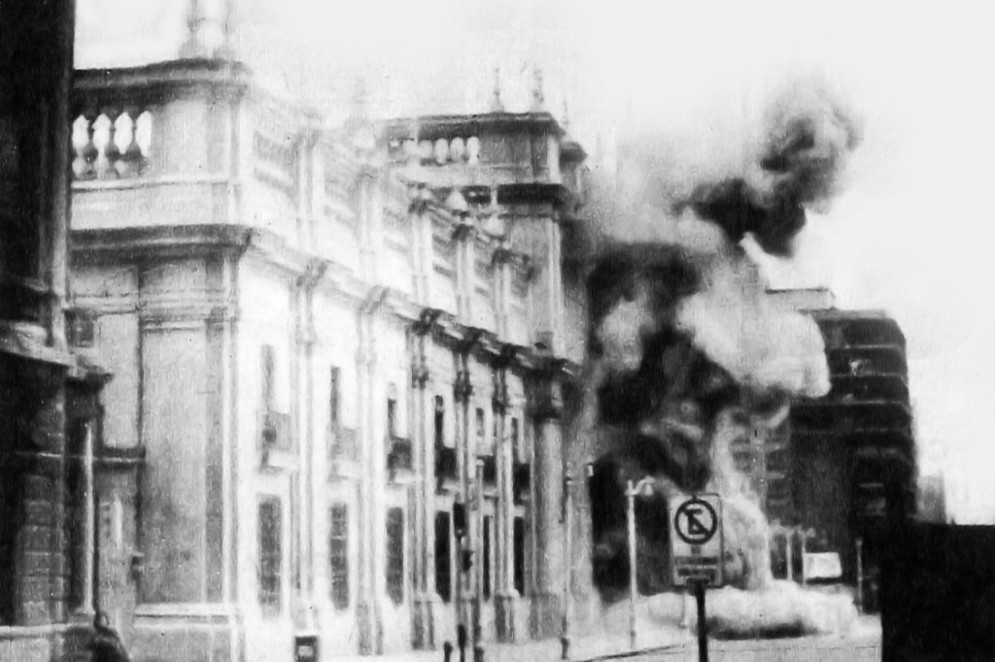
(75, 513)
(334, 396)
(515, 443)
(481, 432)
(440, 422)
(270, 553)
(443, 557)
(339, 553)
(519, 551)
(486, 560)
(392, 411)
(268, 377)
(395, 555)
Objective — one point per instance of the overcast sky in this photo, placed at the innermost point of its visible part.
(911, 234)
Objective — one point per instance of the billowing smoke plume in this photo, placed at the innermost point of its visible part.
(688, 354)
(808, 139)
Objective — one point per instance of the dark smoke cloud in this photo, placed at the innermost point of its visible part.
(686, 351)
(808, 138)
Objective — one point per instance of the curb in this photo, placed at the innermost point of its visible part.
(632, 653)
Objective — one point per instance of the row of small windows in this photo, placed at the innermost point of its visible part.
(270, 538)
(484, 443)
(444, 556)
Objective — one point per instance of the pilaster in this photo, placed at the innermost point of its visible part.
(426, 601)
(546, 413)
(369, 619)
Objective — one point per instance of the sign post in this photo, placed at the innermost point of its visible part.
(696, 552)
(699, 598)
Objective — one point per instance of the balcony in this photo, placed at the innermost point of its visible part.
(399, 455)
(521, 481)
(445, 463)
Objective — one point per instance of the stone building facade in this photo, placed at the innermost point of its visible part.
(347, 357)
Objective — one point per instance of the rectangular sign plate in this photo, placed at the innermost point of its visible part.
(696, 539)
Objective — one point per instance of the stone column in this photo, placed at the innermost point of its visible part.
(506, 594)
(368, 619)
(426, 600)
(546, 410)
(466, 466)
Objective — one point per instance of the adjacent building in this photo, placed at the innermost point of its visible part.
(343, 362)
(49, 410)
(843, 465)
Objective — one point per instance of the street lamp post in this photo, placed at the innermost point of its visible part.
(860, 576)
(645, 488)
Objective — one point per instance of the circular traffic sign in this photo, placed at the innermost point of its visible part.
(696, 521)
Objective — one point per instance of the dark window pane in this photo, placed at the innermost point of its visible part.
(440, 422)
(334, 396)
(520, 555)
(443, 557)
(516, 449)
(486, 560)
(270, 552)
(395, 555)
(339, 553)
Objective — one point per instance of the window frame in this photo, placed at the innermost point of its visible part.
(338, 556)
(394, 572)
(270, 600)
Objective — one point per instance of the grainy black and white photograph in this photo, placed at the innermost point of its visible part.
(496, 331)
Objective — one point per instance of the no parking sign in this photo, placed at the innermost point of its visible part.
(696, 539)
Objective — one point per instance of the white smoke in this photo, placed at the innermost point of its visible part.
(764, 349)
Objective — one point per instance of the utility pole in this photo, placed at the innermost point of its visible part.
(630, 493)
(645, 488)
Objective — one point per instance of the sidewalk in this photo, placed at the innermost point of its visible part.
(583, 648)
(863, 642)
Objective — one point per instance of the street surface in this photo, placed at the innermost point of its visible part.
(775, 650)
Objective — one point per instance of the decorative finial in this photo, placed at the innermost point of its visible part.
(538, 95)
(496, 105)
(229, 24)
(194, 46)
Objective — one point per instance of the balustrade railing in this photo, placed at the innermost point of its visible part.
(112, 144)
(442, 151)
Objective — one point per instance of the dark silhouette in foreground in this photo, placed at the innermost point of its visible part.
(106, 645)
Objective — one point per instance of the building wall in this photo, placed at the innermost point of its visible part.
(312, 254)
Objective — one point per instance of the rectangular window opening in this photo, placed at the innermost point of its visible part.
(270, 553)
(334, 396)
(395, 555)
(443, 556)
(268, 370)
(519, 560)
(339, 554)
(486, 560)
